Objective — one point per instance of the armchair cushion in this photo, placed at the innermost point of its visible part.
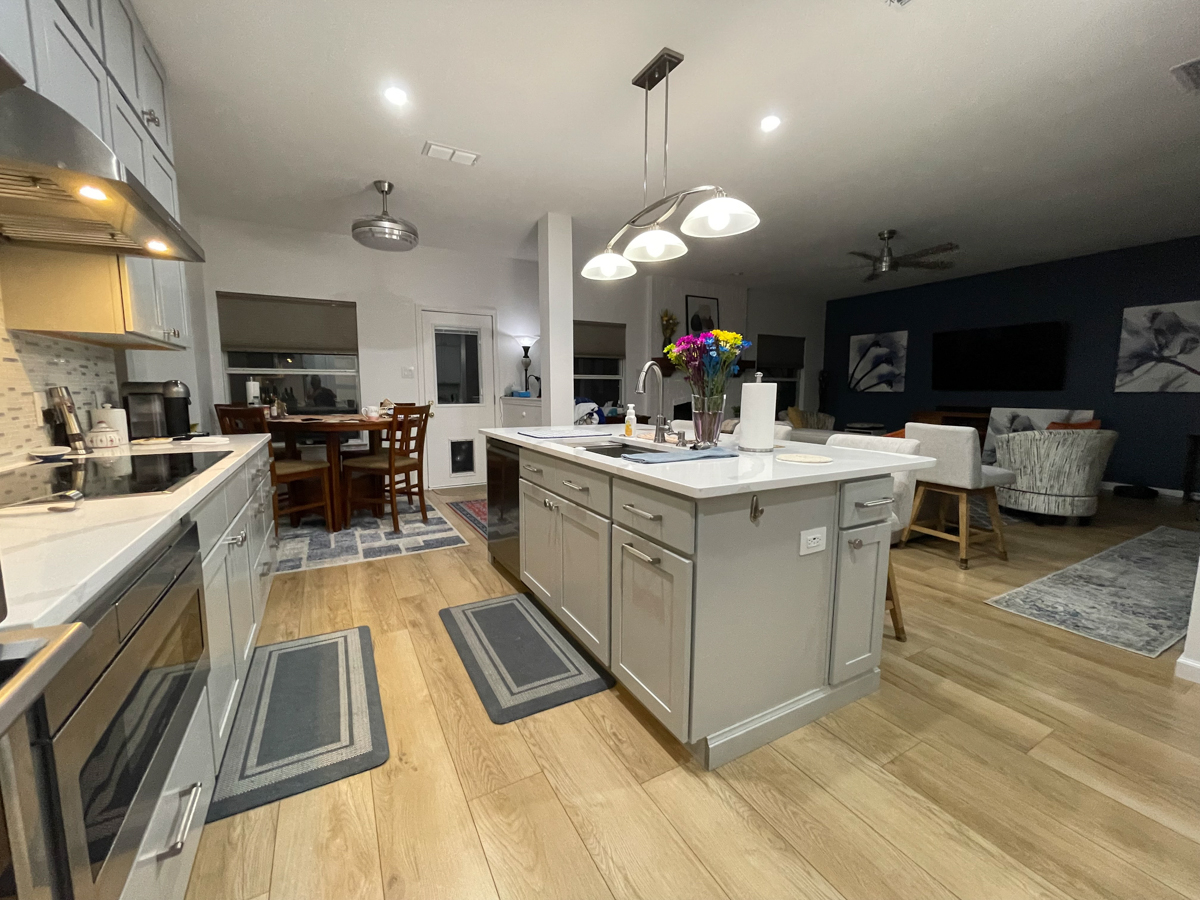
(956, 449)
(1058, 473)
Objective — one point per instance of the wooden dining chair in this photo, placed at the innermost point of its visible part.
(400, 465)
(253, 420)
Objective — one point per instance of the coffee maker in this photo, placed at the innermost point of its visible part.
(157, 408)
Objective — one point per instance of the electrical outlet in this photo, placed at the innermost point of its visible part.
(408, 372)
(812, 541)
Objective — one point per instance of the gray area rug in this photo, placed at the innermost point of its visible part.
(310, 546)
(518, 660)
(310, 714)
(1136, 595)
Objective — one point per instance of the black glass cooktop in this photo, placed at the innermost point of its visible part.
(109, 476)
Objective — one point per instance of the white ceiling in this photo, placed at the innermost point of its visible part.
(1025, 131)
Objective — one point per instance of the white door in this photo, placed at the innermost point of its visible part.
(459, 383)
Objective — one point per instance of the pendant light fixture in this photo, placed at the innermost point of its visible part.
(719, 216)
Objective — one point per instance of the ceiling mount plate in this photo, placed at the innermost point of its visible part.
(656, 70)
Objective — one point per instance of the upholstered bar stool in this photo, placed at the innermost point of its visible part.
(959, 473)
(903, 487)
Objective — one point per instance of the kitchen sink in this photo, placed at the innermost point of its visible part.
(617, 450)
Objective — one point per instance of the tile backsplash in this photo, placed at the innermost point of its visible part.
(34, 362)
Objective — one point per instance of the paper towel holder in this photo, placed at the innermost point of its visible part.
(758, 379)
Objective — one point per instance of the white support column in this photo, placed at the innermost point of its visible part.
(1188, 664)
(556, 276)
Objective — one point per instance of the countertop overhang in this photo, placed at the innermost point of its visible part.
(54, 564)
(705, 478)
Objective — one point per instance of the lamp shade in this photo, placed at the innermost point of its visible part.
(526, 340)
(655, 245)
(608, 266)
(719, 217)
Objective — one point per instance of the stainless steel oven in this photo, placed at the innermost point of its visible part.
(118, 712)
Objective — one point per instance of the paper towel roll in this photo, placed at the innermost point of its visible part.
(758, 417)
(115, 418)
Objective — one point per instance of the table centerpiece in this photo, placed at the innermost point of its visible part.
(707, 360)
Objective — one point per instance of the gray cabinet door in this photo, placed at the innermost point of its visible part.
(223, 680)
(168, 274)
(86, 14)
(69, 73)
(859, 593)
(241, 590)
(584, 599)
(541, 557)
(120, 30)
(652, 627)
(16, 39)
(152, 93)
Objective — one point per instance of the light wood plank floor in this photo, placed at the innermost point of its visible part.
(1002, 758)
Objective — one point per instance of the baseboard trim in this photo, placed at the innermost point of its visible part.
(1188, 669)
(757, 731)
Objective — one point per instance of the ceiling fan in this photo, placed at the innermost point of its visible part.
(886, 261)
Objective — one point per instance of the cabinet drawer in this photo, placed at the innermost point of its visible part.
(866, 502)
(258, 467)
(664, 517)
(585, 487)
(537, 469)
(237, 490)
(162, 867)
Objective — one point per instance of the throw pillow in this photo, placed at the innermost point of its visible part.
(794, 417)
(895, 434)
(1092, 425)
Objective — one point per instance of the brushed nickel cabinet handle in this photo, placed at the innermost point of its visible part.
(649, 517)
(638, 554)
(237, 540)
(185, 824)
(856, 544)
(871, 504)
(576, 487)
(528, 468)
(151, 117)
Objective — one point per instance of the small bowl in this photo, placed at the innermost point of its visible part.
(50, 454)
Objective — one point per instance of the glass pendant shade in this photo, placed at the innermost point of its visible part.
(655, 245)
(719, 217)
(608, 266)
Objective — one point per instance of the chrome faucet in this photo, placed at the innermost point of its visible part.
(660, 421)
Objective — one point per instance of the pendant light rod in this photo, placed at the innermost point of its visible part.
(666, 118)
(646, 150)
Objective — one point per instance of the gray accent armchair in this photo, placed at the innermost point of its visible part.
(1058, 472)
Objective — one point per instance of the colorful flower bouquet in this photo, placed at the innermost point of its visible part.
(707, 361)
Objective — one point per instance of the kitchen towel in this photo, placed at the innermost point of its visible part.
(679, 456)
(757, 423)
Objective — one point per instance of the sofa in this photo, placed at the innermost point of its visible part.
(1058, 472)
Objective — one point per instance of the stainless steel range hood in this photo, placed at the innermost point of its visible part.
(61, 186)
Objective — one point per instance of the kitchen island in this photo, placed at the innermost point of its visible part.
(738, 599)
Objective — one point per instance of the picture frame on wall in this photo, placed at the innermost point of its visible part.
(1160, 349)
(878, 362)
(702, 314)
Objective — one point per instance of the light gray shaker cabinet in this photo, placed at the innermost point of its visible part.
(541, 557)
(68, 72)
(86, 14)
(16, 39)
(859, 595)
(652, 627)
(583, 603)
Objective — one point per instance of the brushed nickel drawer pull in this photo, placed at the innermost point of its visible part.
(576, 487)
(856, 544)
(528, 468)
(638, 554)
(185, 824)
(871, 504)
(649, 517)
(237, 540)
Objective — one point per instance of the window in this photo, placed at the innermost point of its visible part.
(456, 359)
(310, 383)
(600, 362)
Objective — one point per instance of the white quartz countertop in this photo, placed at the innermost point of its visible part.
(703, 478)
(54, 564)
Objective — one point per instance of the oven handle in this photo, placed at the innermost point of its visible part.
(185, 824)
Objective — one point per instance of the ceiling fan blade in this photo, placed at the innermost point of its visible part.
(928, 251)
(923, 263)
(863, 255)
(874, 276)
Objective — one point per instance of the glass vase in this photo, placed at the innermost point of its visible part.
(707, 413)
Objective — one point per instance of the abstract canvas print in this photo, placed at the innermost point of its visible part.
(877, 361)
(1160, 349)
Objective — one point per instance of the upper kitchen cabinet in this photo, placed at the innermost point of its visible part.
(122, 35)
(86, 15)
(152, 94)
(68, 72)
(16, 38)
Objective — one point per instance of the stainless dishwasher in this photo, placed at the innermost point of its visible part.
(504, 505)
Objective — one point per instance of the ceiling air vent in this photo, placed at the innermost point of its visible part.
(1188, 74)
(450, 154)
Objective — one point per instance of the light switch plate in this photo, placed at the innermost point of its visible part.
(812, 541)
(408, 372)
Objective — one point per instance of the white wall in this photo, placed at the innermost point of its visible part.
(787, 313)
(389, 289)
(1188, 664)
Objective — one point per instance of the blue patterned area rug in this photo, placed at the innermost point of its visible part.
(312, 547)
(310, 714)
(1136, 595)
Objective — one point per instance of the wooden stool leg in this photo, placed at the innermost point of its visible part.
(997, 526)
(391, 480)
(347, 491)
(327, 496)
(893, 604)
(943, 500)
(964, 528)
(421, 495)
(917, 500)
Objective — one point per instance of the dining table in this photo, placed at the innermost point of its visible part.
(333, 427)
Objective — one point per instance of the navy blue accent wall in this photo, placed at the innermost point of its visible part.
(1089, 293)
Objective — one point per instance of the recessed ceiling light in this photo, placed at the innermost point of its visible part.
(156, 246)
(770, 123)
(92, 193)
(395, 95)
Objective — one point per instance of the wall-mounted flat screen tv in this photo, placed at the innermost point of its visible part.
(1030, 357)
